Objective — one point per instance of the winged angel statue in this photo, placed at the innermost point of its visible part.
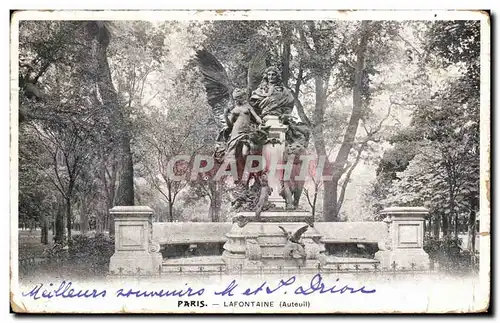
(294, 248)
(240, 112)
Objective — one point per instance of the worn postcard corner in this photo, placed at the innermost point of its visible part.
(250, 162)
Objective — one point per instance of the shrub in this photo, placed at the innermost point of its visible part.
(447, 252)
(87, 253)
(56, 253)
(91, 252)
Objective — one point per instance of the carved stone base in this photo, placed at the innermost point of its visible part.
(260, 244)
(135, 251)
(403, 259)
(136, 263)
(403, 246)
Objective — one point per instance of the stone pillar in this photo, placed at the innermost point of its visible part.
(273, 153)
(135, 251)
(405, 238)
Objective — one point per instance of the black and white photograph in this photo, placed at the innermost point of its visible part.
(250, 162)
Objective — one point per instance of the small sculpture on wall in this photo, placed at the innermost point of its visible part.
(294, 247)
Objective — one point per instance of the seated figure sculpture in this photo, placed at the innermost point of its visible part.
(242, 113)
(272, 97)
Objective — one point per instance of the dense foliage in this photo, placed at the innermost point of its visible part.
(84, 252)
(435, 161)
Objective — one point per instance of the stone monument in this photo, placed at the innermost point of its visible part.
(269, 231)
(260, 124)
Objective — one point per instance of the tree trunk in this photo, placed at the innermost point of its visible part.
(111, 224)
(170, 211)
(330, 190)
(170, 201)
(330, 197)
(436, 226)
(45, 231)
(471, 226)
(215, 201)
(53, 227)
(125, 192)
(214, 210)
(68, 218)
(211, 211)
(471, 232)
(329, 187)
(313, 206)
(105, 223)
(445, 226)
(357, 111)
(59, 225)
(98, 221)
(456, 225)
(285, 56)
(84, 221)
(108, 217)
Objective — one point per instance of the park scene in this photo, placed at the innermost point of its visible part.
(150, 148)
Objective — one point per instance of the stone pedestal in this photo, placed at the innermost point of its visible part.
(135, 251)
(403, 245)
(254, 244)
(273, 153)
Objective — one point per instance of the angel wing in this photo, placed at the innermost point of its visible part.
(216, 83)
(284, 231)
(296, 236)
(256, 69)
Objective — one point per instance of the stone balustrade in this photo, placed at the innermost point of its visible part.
(138, 240)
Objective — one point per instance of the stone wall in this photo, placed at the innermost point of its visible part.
(199, 232)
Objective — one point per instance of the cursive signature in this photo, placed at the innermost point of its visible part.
(315, 285)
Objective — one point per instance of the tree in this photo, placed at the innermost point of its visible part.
(68, 119)
(64, 124)
(68, 145)
(334, 64)
(180, 127)
(442, 168)
(37, 198)
(133, 56)
(101, 34)
(42, 44)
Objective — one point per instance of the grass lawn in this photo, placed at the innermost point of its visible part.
(30, 245)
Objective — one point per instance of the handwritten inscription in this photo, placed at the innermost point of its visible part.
(315, 285)
(188, 292)
(65, 290)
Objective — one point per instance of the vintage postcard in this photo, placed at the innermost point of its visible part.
(250, 162)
